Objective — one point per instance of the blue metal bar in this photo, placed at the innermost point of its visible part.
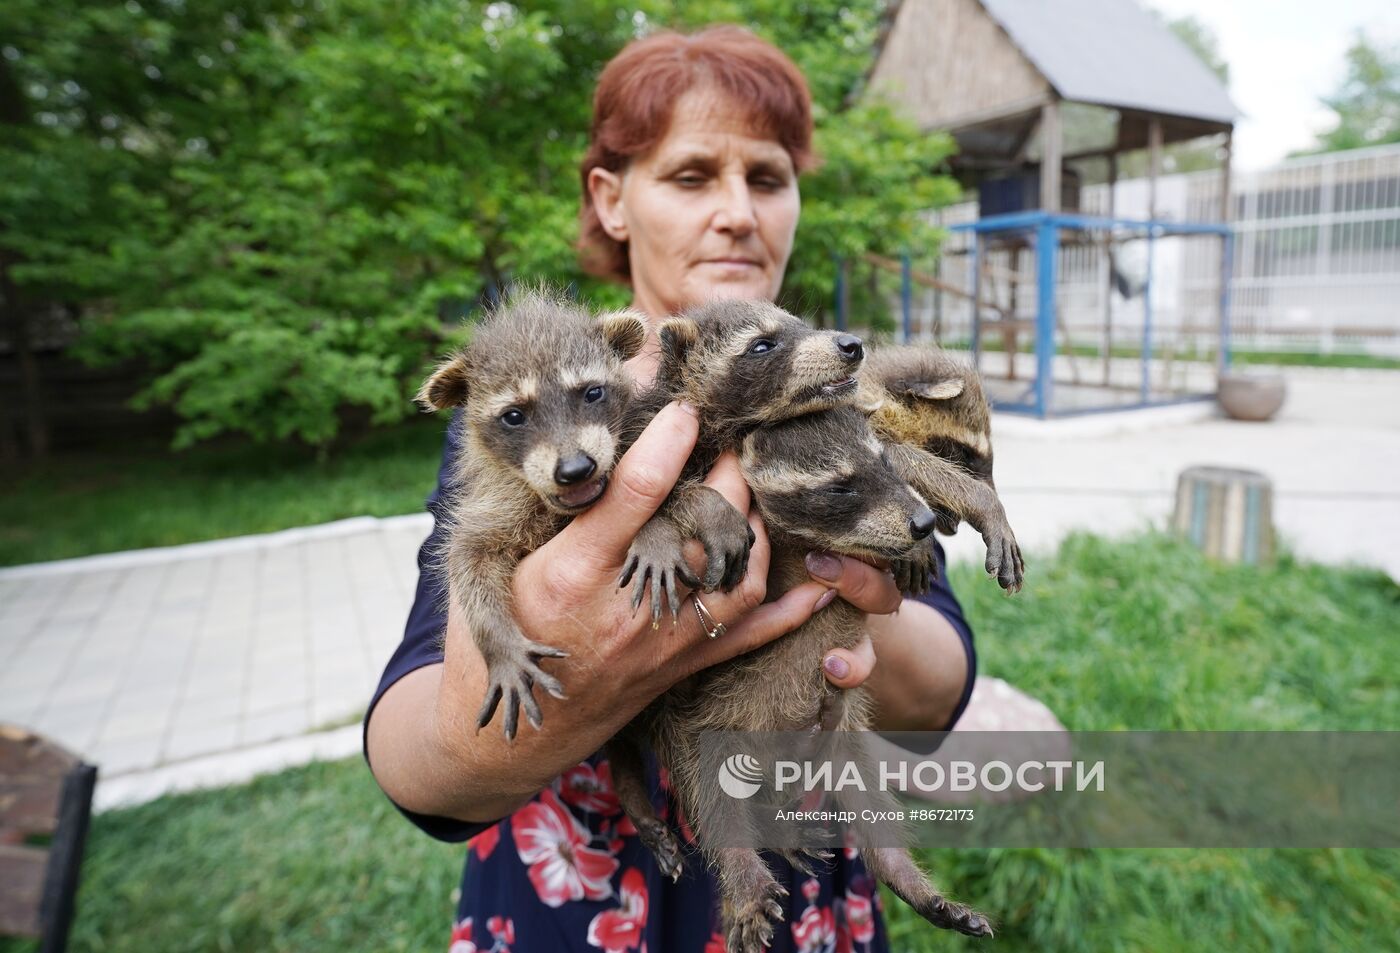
(1227, 276)
(840, 294)
(1046, 251)
(1147, 290)
(1019, 220)
(906, 297)
(976, 259)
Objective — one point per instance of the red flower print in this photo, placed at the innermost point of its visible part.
(715, 944)
(590, 788)
(485, 842)
(502, 928)
(860, 914)
(619, 930)
(462, 938)
(815, 931)
(555, 846)
(811, 889)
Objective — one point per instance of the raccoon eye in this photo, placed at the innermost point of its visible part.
(594, 394)
(761, 346)
(513, 418)
(841, 489)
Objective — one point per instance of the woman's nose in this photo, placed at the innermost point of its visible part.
(735, 214)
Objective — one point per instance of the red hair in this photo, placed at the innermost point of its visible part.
(638, 90)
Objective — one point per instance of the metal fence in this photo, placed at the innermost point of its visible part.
(1316, 264)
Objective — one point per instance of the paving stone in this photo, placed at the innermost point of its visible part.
(189, 741)
(277, 723)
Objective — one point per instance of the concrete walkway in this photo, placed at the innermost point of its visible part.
(149, 660)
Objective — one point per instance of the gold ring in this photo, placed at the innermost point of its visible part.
(713, 627)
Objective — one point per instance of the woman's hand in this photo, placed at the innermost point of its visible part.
(567, 592)
(869, 589)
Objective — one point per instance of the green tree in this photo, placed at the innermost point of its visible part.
(1367, 105)
(284, 207)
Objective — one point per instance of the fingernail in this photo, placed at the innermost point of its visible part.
(688, 407)
(825, 600)
(836, 666)
(824, 566)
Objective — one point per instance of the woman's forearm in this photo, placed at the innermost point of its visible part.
(920, 669)
(427, 754)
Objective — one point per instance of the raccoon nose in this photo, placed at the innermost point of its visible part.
(850, 347)
(922, 524)
(573, 469)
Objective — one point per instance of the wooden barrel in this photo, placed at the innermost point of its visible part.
(1227, 513)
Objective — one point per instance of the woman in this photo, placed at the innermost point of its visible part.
(690, 193)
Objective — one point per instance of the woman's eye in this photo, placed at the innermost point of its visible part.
(513, 418)
(593, 394)
(690, 181)
(761, 346)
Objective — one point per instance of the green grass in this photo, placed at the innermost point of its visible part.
(1145, 634)
(117, 498)
(1136, 634)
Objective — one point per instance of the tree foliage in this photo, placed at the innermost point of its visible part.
(283, 206)
(1367, 105)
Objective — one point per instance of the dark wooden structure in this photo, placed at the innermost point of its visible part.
(45, 803)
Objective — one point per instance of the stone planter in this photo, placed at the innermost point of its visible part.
(1251, 396)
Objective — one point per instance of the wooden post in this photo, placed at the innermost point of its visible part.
(1226, 513)
(1051, 156)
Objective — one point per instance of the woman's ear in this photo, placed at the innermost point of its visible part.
(605, 191)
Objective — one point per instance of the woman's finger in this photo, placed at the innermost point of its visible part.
(848, 668)
(728, 479)
(862, 585)
(638, 485)
(762, 625)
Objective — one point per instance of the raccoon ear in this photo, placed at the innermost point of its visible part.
(677, 337)
(447, 386)
(943, 390)
(625, 332)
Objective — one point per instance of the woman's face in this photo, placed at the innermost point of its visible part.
(708, 213)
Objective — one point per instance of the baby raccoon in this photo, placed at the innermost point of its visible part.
(930, 411)
(822, 481)
(545, 394)
(742, 364)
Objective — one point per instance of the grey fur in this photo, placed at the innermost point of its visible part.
(545, 359)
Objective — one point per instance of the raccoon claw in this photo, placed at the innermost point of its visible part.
(511, 681)
(656, 562)
(726, 555)
(800, 858)
(915, 573)
(751, 926)
(1004, 560)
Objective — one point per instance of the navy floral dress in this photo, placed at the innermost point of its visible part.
(566, 873)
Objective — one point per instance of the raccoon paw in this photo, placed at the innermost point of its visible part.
(656, 562)
(801, 859)
(914, 574)
(750, 925)
(510, 682)
(727, 538)
(1004, 558)
(662, 842)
